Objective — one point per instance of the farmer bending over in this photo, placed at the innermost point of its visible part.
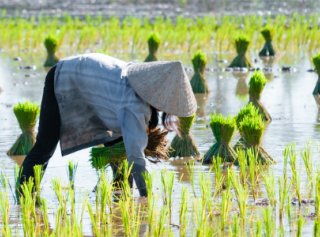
(95, 99)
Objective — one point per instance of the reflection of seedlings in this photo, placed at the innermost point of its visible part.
(198, 81)
(316, 90)
(242, 87)
(153, 45)
(241, 43)
(51, 45)
(257, 83)
(183, 144)
(223, 129)
(202, 100)
(27, 114)
(252, 128)
(267, 49)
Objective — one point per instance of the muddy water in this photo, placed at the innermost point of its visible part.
(287, 96)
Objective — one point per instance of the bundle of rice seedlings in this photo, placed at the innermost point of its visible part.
(247, 111)
(153, 45)
(157, 144)
(26, 114)
(316, 90)
(100, 157)
(256, 85)
(198, 81)
(241, 43)
(267, 49)
(51, 45)
(183, 144)
(223, 129)
(252, 128)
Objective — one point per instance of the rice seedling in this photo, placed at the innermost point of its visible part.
(252, 128)
(151, 202)
(256, 85)
(45, 217)
(223, 129)
(254, 170)
(198, 81)
(202, 225)
(51, 45)
(225, 208)
(130, 217)
(269, 184)
(284, 188)
(300, 225)
(206, 197)
(72, 169)
(190, 169)
(316, 90)
(183, 212)
(167, 180)
(38, 173)
(316, 228)
(235, 228)
(243, 164)
(307, 160)
(295, 176)
(153, 45)
(268, 221)
(241, 43)
(317, 198)
(26, 114)
(5, 214)
(183, 144)
(267, 50)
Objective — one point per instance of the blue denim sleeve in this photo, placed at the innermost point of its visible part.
(133, 129)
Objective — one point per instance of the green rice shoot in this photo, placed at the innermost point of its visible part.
(183, 145)
(316, 62)
(153, 45)
(223, 129)
(252, 129)
(51, 45)
(256, 86)
(198, 81)
(267, 49)
(26, 114)
(241, 43)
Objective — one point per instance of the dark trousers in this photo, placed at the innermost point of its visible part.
(48, 130)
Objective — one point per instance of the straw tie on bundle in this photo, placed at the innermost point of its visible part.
(223, 129)
(26, 114)
(252, 128)
(241, 43)
(198, 81)
(316, 90)
(267, 49)
(183, 144)
(256, 85)
(153, 45)
(51, 45)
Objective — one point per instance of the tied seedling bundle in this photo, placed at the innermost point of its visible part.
(267, 50)
(256, 85)
(51, 45)
(26, 114)
(252, 128)
(247, 111)
(183, 144)
(153, 45)
(223, 129)
(241, 44)
(316, 90)
(198, 81)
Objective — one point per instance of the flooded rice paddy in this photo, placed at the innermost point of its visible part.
(287, 96)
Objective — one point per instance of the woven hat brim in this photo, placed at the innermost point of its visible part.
(164, 85)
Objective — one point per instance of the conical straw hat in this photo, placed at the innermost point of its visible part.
(164, 85)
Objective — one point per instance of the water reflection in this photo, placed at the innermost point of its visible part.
(242, 88)
(202, 100)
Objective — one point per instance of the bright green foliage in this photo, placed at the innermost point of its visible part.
(153, 45)
(198, 81)
(27, 114)
(252, 129)
(183, 144)
(267, 49)
(223, 129)
(247, 111)
(316, 62)
(102, 156)
(241, 44)
(51, 45)
(257, 83)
